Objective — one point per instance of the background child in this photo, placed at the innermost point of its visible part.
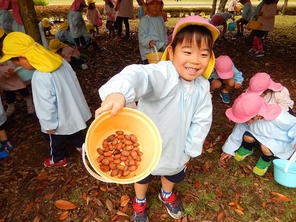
(44, 28)
(152, 30)
(111, 17)
(246, 16)
(93, 15)
(221, 19)
(259, 125)
(76, 22)
(70, 54)
(6, 18)
(231, 6)
(60, 105)
(169, 92)
(64, 35)
(266, 16)
(5, 144)
(125, 12)
(273, 93)
(17, 23)
(225, 74)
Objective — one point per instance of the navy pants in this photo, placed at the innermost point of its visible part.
(57, 144)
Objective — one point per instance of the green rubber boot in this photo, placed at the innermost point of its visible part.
(261, 167)
(242, 153)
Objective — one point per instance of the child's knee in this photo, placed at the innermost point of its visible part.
(216, 84)
(265, 150)
(249, 139)
(229, 82)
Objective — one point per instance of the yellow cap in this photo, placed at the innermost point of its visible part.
(91, 1)
(90, 27)
(64, 26)
(45, 22)
(196, 20)
(55, 45)
(2, 32)
(18, 44)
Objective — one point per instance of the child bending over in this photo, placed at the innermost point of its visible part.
(225, 74)
(59, 102)
(175, 95)
(93, 15)
(262, 126)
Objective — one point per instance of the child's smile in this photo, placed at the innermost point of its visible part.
(190, 60)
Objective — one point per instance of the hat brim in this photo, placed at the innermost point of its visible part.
(6, 58)
(235, 119)
(209, 70)
(270, 111)
(225, 75)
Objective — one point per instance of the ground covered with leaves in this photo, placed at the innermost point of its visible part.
(30, 192)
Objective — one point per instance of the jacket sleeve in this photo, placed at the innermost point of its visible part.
(144, 36)
(136, 81)
(200, 125)
(45, 101)
(238, 76)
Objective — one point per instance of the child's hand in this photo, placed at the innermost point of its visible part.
(151, 44)
(51, 131)
(113, 102)
(237, 85)
(224, 159)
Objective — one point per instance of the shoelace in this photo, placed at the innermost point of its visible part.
(139, 207)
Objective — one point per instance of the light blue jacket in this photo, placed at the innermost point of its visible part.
(238, 76)
(59, 101)
(151, 28)
(6, 20)
(76, 24)
(278, 135)
(181, 110)
(3, 116)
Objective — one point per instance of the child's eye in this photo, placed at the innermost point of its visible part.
(187, 52)
(204, 54)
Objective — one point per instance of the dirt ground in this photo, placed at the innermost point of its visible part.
(29, 191)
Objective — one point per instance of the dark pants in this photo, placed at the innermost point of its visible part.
(119, 21)
(80, 41)
(57, 144)
(10, 95)
(76, 62)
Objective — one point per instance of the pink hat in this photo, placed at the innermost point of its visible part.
(248, 105)
(260, 82)
(224, 67)
(196, 20)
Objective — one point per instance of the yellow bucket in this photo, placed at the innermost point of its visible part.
(131, 121)
(154, 57)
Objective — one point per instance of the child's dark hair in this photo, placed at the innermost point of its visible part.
(197, 32)
(110, 4)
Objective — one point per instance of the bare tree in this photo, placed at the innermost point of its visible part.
(214, 5)
(29, 18)
(222, 4)
(284, 7)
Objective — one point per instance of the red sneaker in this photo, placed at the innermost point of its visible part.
(49, 163)
(140, 214)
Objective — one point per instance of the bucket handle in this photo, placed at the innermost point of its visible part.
(90, 171)
(293, 158)
(156, 52)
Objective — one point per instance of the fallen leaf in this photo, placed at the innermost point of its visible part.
(29, 207)
(84, 196)
(221, 216)
(239, 207)
(43, 175)
(37, 219)
(64, 205)
(63, 215)
(49, 196)
(210, 150)
(88, 215)
(263, 204)
(121, 214)
(197, 185)
(256, 184)
(281, 196)
(239, 212)
(104, 187)
(124, 200)
(109, 205)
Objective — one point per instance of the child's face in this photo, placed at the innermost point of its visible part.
(189, 60)
(22, 61)
(254, 119)
(154, 8)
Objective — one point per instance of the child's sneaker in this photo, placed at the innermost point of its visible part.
(242, 153)
(7, 144)
(3, 153)
(225, 97)
(173, 207)
(49, 163)
(140, 213)
(261, 167)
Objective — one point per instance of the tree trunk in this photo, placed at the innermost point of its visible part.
(213, 8)
(222, 4)
(284, 7)
(29, 18)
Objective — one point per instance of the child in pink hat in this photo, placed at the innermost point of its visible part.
(226, 75)
(273, 93)
(174, 93)
(259, 125)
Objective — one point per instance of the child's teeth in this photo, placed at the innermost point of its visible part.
(191, 70)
